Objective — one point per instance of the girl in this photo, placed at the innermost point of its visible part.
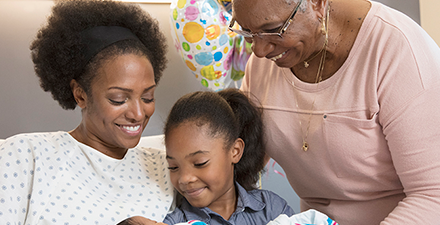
(215, 153)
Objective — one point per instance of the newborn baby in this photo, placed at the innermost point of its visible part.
(309, 217)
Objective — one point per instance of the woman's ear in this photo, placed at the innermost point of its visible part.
(318, 6)
(79, 94)
(237, 150)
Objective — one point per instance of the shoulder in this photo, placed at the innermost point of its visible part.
(394, 28)
(32, 152)
(266, 196)
(389, 15)
(38, 136)
(37, 141)
(274, 204)
(393, 47)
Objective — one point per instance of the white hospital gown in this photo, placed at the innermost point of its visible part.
(50, 178)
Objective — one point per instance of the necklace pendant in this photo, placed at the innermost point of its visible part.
(306, 64)
(305, 146)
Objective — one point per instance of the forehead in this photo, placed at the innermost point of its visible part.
(187, 138)
(256, 13)
(125, 68)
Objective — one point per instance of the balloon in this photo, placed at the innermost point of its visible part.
(241, 54)
(227, 5)
(215, 55)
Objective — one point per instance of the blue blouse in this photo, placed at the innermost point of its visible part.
(256, 207)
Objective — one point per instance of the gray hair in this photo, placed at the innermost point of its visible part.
(303, 5)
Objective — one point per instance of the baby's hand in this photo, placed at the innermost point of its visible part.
(139, 220)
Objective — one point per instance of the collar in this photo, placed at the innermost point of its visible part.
(245, 200)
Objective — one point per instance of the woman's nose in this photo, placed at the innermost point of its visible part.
(261, 47)
(135, 111)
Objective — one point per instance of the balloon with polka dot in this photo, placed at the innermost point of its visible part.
(216, 56)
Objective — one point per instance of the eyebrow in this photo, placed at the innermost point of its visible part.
(191, 154)
(130, 90)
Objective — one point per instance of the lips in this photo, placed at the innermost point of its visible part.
(275, 58)
(132, 130)
(194, 192)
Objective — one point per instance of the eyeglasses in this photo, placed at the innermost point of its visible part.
(278, 33)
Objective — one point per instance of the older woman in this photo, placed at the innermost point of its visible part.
(106, 58)
(351, 92)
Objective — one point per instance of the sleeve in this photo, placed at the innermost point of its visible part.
(409, 97)
(175, 217)
(16, 176)
(276, 205)
(169, 220)
(414, 143)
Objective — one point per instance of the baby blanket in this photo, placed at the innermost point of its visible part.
(309, 217)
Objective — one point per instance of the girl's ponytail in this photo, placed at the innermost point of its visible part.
(250, 125)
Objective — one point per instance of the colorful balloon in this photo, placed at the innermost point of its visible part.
(227, 5)
(216, 56)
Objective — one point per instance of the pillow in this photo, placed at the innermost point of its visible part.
(154, 141)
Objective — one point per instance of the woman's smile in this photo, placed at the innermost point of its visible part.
(132, 130)
(277, 57)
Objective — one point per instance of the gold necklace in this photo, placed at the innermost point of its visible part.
(306, 62)
(305, 144)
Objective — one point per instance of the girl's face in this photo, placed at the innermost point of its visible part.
(201, 169)
(119, 106)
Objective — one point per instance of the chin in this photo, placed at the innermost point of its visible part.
(284, 64)
(134, 144)
(130, 143)
(197, 204)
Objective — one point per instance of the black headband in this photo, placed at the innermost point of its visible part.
(97, 38)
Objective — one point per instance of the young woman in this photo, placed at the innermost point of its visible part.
(106, 58)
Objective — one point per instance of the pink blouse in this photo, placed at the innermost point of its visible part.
(374, 135)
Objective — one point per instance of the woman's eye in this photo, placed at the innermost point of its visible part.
(173, 168)
(146, 100)
(114, 102)
(275, 30)
(201, 164)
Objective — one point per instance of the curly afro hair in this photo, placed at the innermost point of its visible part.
(56, 51)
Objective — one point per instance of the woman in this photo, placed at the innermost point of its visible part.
(350, 91)
(107, 58)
